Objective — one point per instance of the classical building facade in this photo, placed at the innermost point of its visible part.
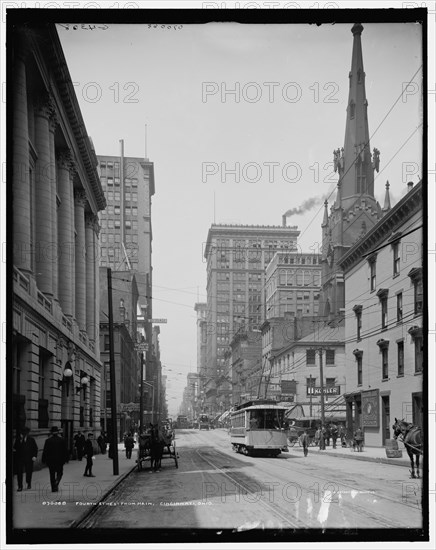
(56, 198)
(236, 256)
(384, 305)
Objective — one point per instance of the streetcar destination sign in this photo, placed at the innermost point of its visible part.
(330, 390)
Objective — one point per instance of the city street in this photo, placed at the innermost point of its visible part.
(215, 488)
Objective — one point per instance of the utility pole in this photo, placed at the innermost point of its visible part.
(141, 396)
(321, 374)
(310, 395)
(113, 385)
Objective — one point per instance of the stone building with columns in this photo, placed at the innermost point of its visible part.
(56, 193)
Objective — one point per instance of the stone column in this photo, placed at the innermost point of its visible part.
(65, 233)
(43, 198)
(20, 167)
(79, 218)
(97, 288)
(91, 266)
(54, 251)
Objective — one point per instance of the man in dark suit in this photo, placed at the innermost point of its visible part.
(89, 453)
(30, 452)
(55, 455)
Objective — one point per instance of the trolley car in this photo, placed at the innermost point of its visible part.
(257, 428)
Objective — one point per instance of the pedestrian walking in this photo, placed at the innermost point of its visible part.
(18, 459)
(55, 455)
(343, 435)
(30, 453)
(79, 444)
(89, 454)
(358, 440)
(322, 438)
(326, 432)
(334, 434)
(305, 442)
(129, 443)
(102, 443)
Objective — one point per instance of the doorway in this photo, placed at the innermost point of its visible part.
(386, 419)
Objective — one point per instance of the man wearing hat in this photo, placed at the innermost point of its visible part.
(30, 452)
(89, 453)
(55, 455)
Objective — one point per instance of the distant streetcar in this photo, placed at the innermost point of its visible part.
(257, 427)
(182, 422)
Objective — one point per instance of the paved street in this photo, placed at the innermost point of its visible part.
(216, 488)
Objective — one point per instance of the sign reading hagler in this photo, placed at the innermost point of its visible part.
(330, 390)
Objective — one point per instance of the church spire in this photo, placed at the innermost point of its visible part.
(353, 161)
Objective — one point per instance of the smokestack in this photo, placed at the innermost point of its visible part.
(409, 186)
(284, 220)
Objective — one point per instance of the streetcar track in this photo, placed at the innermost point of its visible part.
(298, 525)
(358, 509)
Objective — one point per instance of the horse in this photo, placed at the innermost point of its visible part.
(156, 448)
(412, 440)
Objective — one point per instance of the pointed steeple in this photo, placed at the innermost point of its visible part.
(354, 163)
(387, 204)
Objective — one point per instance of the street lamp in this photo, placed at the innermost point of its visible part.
(84, 381)
(66, 376)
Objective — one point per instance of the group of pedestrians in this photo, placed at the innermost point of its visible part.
(55, 455)
(324, 433)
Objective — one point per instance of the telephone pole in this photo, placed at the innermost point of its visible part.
(113, 384)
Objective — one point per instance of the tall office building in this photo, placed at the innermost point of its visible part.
(236, 256)
(126, 234)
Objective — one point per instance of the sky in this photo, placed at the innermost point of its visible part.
(241, 123)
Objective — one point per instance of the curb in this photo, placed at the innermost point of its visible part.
(379, 460)
(76, 523)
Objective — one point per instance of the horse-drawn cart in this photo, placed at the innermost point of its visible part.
(153, 447)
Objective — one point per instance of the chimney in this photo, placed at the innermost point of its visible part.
(284, 220)
(409, 186)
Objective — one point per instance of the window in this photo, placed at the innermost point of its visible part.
(310, 382)
(384, 312)
(117, 210)
(359, 369)
(110, 224)
(372, 274)
(110, 181)
(330, 357)
(396, 255)
(106, 342)
(383, 297)
(135, 197)
(134, 210)
(110, 195)
(117, 224)
(330, 382)
(415, 275)
(384, 363)
(399, 306)
(418, 296)
(418, 353)
(310, 357)
(400, 358)
(117, 196)
(128, 224)
(358, 312)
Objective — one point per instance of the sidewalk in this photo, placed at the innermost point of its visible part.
(370, 454)
(40, 508)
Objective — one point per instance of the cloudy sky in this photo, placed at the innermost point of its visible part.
(242, 121)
